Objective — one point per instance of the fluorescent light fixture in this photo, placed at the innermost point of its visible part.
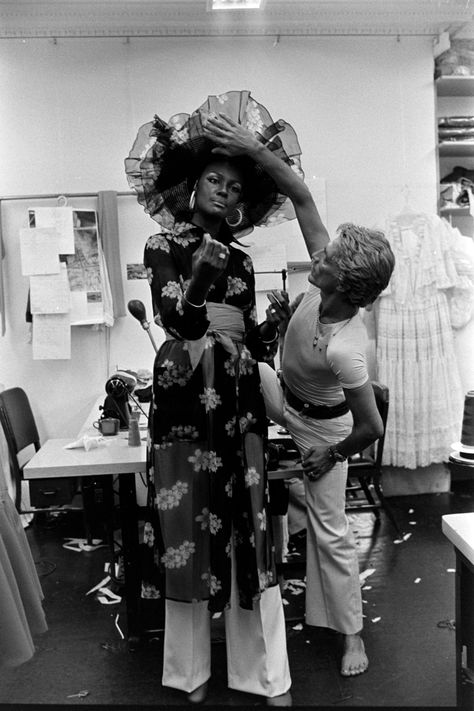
(234, 4)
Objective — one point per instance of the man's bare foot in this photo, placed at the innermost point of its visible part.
(354, 658)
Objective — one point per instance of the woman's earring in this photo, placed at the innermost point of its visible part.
(240, 217)
(192, 200)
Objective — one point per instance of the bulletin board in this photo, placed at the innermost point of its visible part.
(81, 255)
(61, 257)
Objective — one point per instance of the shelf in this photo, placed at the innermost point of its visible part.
(455, 86)
(456, 148)
(459, 211)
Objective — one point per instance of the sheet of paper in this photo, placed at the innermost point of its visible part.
(59, 218)
(51, 337)
(49, 293)
(269, 259)
(39, 250)
(95, 307)
(79, 310)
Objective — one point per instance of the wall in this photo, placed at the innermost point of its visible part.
(363, 109)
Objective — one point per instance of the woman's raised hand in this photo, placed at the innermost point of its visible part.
(210, 259)
(231, 138)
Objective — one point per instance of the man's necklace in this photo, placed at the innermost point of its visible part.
(321, 340)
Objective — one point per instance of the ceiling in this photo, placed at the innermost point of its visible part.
(181, 18)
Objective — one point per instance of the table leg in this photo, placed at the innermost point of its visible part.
(464, 632)
(87, 487)
(107, 483)
(129, 526)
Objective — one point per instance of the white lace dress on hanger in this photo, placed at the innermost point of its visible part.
(415, 346)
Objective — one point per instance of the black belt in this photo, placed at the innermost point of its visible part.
(318, 412)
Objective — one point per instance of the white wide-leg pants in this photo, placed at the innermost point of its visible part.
(333, 597)
(257, 659)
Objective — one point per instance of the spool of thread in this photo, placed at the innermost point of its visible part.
(467, 432)
(133, 433)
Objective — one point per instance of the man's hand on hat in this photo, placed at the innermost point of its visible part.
(231, 138)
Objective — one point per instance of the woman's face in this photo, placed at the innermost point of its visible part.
(218, 190)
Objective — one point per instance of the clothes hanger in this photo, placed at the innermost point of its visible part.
(408, 212)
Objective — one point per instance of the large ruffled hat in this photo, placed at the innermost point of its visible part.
(167, 158)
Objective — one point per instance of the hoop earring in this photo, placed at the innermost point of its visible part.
(192, 200)
(239, 219)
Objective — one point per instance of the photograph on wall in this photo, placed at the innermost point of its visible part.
(136, 271)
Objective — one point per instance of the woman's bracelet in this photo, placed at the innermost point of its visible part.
(196, 306)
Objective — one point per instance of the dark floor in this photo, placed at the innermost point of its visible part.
(408, 603)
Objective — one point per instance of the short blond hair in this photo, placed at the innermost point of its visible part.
(365, 261)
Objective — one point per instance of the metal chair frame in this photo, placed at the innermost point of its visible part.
(21, 433)
(366, 468)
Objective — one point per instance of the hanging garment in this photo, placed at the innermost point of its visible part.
(415, 345)
(21, 611)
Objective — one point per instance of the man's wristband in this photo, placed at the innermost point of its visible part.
(335, 455)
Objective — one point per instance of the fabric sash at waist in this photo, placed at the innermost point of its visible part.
(226, 326)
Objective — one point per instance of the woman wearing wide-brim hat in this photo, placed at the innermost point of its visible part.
(212, 536)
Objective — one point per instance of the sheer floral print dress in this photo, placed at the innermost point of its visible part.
(206, 460)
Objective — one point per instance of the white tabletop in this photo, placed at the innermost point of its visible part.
(459, 528)
(115, 456)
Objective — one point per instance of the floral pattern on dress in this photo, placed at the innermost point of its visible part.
(178, 557)
(213, 583)
(170, 498)
(252, 477)
(173, 374)
(235, 285)
(158, 242)
(207, 424)
(210, 399)
(205, 461)
(150, 592)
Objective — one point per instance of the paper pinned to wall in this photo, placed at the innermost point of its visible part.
(39, 251)
(79, 310)
(49, 293)
(59, 219)
(51, 337)
(269, 259)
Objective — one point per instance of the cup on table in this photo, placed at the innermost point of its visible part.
(108, 426)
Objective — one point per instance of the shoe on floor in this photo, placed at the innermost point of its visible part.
(281, 700)
(198, 696)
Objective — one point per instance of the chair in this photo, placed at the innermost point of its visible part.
(21, 434)
(366, 468)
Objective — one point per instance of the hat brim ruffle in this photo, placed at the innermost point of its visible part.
(167, 158)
